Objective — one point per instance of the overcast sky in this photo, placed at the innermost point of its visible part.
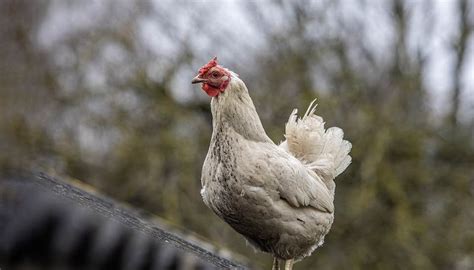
(66, 18)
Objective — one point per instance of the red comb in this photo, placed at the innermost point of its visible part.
(208, 66)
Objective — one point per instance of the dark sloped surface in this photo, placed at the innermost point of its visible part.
(46, 224)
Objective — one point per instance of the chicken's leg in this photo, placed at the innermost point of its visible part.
(276, 264)
(289, 264)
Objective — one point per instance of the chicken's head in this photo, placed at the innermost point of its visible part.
(214, 78)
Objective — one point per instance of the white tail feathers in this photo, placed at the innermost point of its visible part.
(323, 151)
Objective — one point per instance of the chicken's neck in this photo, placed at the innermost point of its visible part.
(234, 112)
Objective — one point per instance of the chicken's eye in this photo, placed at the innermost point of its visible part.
(215, 74)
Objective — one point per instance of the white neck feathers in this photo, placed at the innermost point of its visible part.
(234, 109)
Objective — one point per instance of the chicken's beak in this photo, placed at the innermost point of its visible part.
(197, 79)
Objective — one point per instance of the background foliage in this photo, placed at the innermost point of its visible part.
(99, 90)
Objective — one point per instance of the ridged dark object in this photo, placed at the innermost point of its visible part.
(48, 224)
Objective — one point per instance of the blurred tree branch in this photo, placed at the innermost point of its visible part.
(460, 49)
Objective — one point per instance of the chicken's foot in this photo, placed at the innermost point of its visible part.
(289, 264)
(276, 264)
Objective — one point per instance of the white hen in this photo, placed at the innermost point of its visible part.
(279, 197)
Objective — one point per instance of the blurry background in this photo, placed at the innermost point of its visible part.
(100, 91)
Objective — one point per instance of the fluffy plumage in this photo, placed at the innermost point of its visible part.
(323, 151)
(279, 197)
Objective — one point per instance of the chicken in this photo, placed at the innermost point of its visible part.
(279, 197)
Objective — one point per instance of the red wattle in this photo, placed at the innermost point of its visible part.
(210, 91)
